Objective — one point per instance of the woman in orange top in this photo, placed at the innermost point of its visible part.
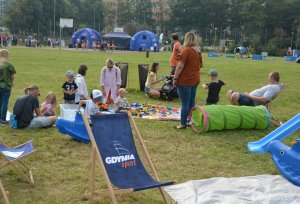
(187, 76)
(176, 51)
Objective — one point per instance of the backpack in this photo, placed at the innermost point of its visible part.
(16, 120)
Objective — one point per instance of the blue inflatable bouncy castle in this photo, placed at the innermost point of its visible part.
(85, 34)
(145, 40)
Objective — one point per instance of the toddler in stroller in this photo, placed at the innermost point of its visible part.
(168, 90)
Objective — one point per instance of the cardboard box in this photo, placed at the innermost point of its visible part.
(68, 111)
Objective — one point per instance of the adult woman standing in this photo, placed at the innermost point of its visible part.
(110, 80)
(82, 92)
(28, 104)
(187, 76)
(7, 72)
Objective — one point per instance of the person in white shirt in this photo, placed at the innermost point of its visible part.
(259, 96)
(82, 92)
(110, 80)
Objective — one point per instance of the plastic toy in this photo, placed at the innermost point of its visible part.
(150, 111)
(75, 128)
(286, 159)
(227, 117)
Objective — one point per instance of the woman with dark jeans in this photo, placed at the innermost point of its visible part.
(7, 72)
(187, 76)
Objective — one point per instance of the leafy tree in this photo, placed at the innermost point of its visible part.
(23, 15)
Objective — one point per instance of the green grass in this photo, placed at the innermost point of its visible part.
(61, 165)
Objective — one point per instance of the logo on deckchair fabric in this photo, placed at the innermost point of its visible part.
(125, 158)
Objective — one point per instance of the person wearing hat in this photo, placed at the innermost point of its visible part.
(7, 72)
(213, 87)
(69, 88)
(91, 106)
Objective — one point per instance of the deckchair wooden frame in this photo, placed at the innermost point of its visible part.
(268, 105)
(14, 164)
(96, 155)
(4, 193)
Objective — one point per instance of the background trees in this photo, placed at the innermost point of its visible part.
(260, 23)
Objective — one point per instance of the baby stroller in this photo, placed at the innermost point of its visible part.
(168, 90)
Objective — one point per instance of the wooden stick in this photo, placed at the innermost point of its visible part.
(147, 155)
(106, 192)
(93, 178)
(4, 193)
(102, 166)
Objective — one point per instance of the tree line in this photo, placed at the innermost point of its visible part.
(263, 24)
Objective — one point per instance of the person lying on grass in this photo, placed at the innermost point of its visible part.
(259, 96)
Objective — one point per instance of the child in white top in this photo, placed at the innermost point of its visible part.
(49, 105)
(91, 107)
(121, 102)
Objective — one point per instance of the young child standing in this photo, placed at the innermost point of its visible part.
(69, 88)
(213, 87)
(91, 106)
(121, 102)
(49, 105)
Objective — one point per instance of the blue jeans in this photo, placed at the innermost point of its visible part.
(4, 98)
(187, 95)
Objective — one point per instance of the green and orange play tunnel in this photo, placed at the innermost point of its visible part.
(227, 117)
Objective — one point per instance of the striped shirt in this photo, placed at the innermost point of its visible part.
(91, 108)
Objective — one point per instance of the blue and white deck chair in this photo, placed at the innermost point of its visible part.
(13, 156)
(4, 193)
(113, 145)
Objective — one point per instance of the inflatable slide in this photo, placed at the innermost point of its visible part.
(286, 159)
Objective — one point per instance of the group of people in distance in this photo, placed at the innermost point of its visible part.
(185, 63)
(96, 45)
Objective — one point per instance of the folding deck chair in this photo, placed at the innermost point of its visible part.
(114, 147)
(4, 193)
(13, 156)
(268, 105)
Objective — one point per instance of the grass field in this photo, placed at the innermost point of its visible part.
(61, 165)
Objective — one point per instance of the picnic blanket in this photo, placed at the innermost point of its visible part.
(156, 112)
(261, 189)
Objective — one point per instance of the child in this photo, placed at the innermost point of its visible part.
(213, 87)
(69, 88)
(48, 106)
(91, 106)
(121, 102)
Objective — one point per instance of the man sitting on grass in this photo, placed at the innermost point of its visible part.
(259, 96)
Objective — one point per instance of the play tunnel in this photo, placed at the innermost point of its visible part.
(227, 117)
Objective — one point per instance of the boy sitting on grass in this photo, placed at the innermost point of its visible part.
(91, 106)
(213, 87)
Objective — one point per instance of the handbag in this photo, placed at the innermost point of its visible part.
(13, 119)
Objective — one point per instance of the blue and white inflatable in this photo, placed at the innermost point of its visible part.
(85, 34)
(145, 40)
